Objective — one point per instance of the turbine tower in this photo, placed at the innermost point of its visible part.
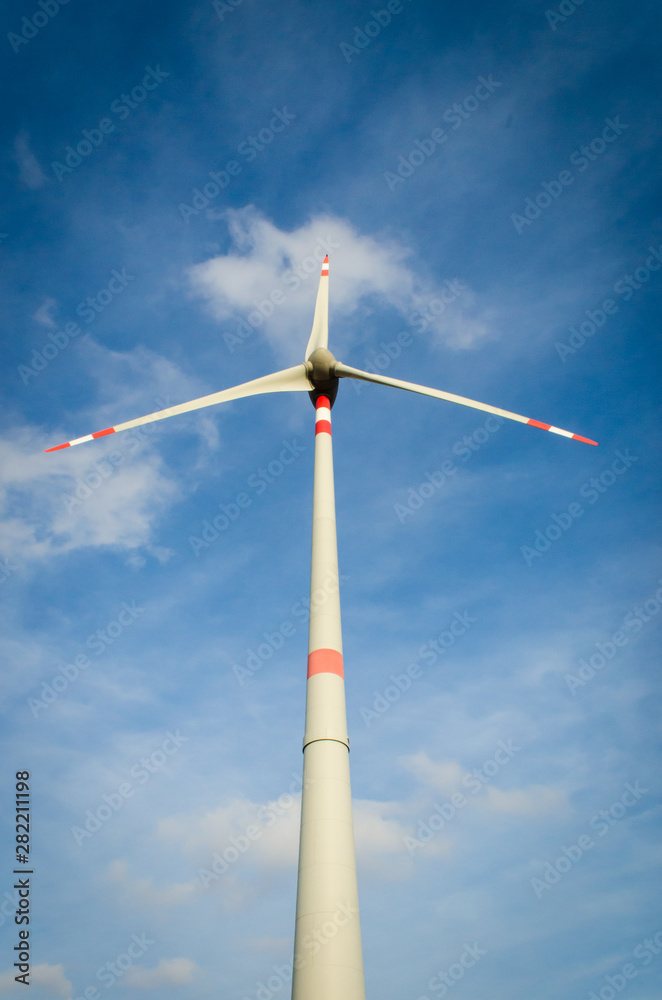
(328, 963)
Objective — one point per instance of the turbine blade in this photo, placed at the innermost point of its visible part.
(319, 335)
(344, 371)
(289, 380)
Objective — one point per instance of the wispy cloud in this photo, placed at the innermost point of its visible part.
(448, 776)
(30, 173)
(79, 500)
(169, 972)
(49, 978)
(367, 273)
(44, 314)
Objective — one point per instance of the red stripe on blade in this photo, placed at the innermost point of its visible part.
(325, 661)
(100, 434)
(536, 423)
(57, 447)
(578, 437)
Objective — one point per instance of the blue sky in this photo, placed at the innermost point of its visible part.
(486, 180)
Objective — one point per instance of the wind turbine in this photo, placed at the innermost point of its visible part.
(328, 963)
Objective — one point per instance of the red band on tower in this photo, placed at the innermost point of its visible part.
(322, 425)
(325, 661)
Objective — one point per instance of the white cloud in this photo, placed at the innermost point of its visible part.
(443, 775)
(43, 315)
(446, 777)
(196, 833)
(76, 498)
(379, 837)
(201, 836)
(366, 273)
(379, 834)
(107, 493)
(169, 972)
(531, 801)
(49, 977)
(145, 893)
(30, 173)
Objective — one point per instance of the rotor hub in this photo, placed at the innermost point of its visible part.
(321, 373)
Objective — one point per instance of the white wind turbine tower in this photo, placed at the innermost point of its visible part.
(328, 963)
